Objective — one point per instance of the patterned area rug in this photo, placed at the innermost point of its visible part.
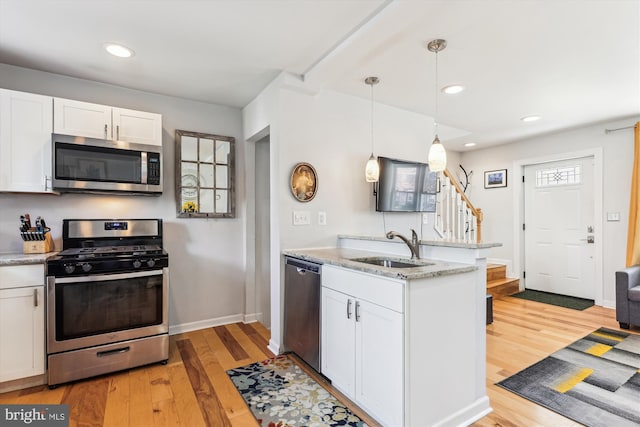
(594, 381)
(281, 394)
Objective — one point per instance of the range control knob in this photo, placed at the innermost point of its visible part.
(151, 262)
(69, 268)
(86, 267)
(136, 263)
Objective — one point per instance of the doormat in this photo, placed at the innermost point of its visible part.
(594, 381)
(555, 299)
(279, 393)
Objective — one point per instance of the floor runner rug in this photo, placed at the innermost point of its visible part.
(555, 299)
(281, 394)
(594, 381)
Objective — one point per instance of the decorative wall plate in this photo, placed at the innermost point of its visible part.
(304, 182)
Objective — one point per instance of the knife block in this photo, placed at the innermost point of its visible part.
(38, 246)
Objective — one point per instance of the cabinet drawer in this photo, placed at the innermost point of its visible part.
(20, 276)
(379, 290)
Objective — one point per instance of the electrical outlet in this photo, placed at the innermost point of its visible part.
(322, 218)
(425, 218)
(301, 218)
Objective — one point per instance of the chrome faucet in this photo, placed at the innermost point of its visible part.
(414, 244)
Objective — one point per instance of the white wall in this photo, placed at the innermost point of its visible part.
(332, 132)
(206, 256)
(497, 203)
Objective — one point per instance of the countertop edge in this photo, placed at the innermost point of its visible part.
(341, 258)
(24, 259)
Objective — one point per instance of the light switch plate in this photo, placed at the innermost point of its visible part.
(425, 218)
(613, 216)
(301, 218)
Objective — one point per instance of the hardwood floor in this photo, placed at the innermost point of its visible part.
(523, 333)
(193, 388)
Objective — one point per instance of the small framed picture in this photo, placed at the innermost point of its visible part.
(495, 179)
(304, 182)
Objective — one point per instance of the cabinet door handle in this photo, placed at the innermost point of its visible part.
(35, 297)
(357, 311)
(117, 132)
(348, 309)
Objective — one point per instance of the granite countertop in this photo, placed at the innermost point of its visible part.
(343, 258)
(24, 259)
(445, 243)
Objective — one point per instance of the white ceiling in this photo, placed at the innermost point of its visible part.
(573, 62)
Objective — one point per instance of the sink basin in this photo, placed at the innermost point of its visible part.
(392, 262)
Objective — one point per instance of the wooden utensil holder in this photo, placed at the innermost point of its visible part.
(38, 246)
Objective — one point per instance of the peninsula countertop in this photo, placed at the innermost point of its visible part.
(345, 258)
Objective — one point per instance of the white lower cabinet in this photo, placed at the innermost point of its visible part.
(363, 340)
(22, 327)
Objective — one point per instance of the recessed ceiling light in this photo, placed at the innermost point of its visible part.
(470, 144)
(530, 118)
(118, 50)
(452, 89)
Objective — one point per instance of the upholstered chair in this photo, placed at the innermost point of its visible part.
(628, 296)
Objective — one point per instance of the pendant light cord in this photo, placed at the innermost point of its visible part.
(372, 119)
(435, 120)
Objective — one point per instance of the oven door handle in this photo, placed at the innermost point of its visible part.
(105, 277)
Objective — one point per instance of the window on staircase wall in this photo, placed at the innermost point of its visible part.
(633, 239)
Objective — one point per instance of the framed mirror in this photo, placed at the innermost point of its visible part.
(205, 170)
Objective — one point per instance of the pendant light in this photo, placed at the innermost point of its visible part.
(437, 154)
(372, 170)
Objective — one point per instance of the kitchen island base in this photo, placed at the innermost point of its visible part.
(418, 345)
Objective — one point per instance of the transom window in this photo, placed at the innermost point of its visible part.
(566, 175)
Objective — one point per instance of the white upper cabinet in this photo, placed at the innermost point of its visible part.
(26, 123)
(137, 126)
(100, 121)
(81, 119)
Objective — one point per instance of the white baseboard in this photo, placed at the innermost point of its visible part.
(468, 415)
(253, 317)
(609, 303)
(274, 347)
(203, 324)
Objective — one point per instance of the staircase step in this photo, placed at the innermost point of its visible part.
(496, 271)
(502, 287)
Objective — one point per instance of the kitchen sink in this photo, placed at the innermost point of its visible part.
(392, 262)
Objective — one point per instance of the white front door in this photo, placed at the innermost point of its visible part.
(559, 221)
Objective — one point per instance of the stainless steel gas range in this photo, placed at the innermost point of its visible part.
(107, 298)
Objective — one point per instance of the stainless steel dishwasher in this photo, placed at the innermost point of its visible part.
(302, 310)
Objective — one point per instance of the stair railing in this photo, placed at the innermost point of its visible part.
(456, 217)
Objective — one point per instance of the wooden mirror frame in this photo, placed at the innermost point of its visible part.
(189, 207)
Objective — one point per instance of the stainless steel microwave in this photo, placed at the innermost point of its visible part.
(92, 165)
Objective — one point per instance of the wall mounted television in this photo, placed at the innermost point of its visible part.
(405, 186)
